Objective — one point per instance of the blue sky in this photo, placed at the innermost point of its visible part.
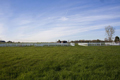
(51, 20)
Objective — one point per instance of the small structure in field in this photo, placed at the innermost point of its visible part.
(61, 41)
(2, 41)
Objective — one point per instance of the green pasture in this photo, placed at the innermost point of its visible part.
(60, 63)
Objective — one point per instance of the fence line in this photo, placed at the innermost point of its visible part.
(36, 44)
(83, 44)
(59, 44)
(100, 44)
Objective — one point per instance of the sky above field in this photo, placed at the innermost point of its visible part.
(51, 20)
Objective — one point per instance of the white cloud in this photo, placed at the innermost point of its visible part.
(87, 18)
(2, 30)
(47, 35)
(21, 20)
(63, 19)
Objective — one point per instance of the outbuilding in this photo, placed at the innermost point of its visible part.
(63, 41)
(2, 41)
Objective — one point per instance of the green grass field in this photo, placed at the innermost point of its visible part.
(60, 63)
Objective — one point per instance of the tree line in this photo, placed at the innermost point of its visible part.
(109, 30)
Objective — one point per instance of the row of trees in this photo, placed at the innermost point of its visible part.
(97, 40)
(110, 31)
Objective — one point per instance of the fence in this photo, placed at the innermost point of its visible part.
(83, 44)
(59, 44)
(36, 44)
(72, 44)
(100, 44)
(113, 43)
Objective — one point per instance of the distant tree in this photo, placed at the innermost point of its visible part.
(58, 40)
(117, 39)
(109, 32)
(105, 39)
(98, 40)
(9, 42)
(72, 41)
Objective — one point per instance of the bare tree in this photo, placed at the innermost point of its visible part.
(109, 32)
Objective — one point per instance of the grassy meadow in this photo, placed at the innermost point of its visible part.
(60, 63)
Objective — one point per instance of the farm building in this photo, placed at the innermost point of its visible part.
(2, 41)
(61, 41)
